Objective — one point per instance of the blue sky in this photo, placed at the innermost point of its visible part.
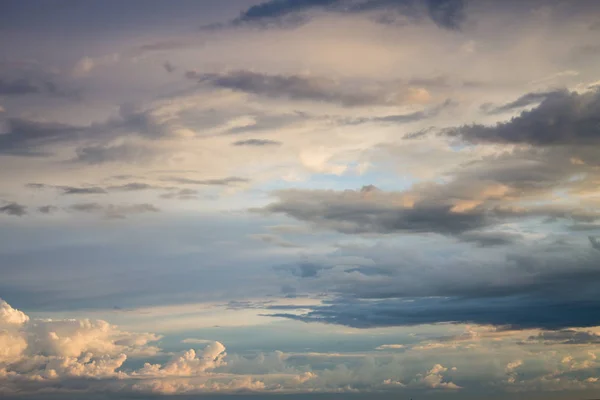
(316, 198)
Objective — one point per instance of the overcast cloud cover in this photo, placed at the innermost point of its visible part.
(325, 198)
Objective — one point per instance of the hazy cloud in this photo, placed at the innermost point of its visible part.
(15, 209)
(257, 142)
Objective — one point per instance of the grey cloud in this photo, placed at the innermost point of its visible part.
(356, 212)
(486, 239)
(565, 336)
(523, 101)
(48, 209)
(562, 118)
(298, 87)
(257, 142)
(594, 242)
(132, 187)
(403, 118)
(15, 209)
(101, 154)
(372, 211)
(182, 194)
(448, 14)
(26, 137)
(112, 211)
(87, 207)
(69, 190)
(169, 67)
(29, 137)
(304, 269)
(230, 180)
(27, 85)
(273, 239)
(82, 190)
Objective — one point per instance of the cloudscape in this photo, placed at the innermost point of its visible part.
(306, 199)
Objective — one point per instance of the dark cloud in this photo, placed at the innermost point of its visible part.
(517, 313)
(27, 85)
(486, 239)
(299, 87)
(563, 118)
(523, 101)
(26, 137)
(257, 142)
(448, 14)
(550, 285)
(15, 209)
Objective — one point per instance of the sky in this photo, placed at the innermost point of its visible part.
(310, 199)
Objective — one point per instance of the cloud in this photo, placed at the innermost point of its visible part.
(368, 211)
(15, 209)
(86, 64)
(28, 85)
(181, 194)
(448, 14)
(390, 347)
(273, 239)
(113, 211)
(85, 190)
(169, 67)
(230, 180)
(257, 142)
(69, 190)
(485, 239)
(523, 101)
(132, 187)
(565, 336)
(42, 350)
(48, 209)
(518, 313)
(125, 152)
(562, 118)
(304, 269)
(26, 137)
(306, 87)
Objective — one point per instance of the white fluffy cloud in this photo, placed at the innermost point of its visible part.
(36, 354)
